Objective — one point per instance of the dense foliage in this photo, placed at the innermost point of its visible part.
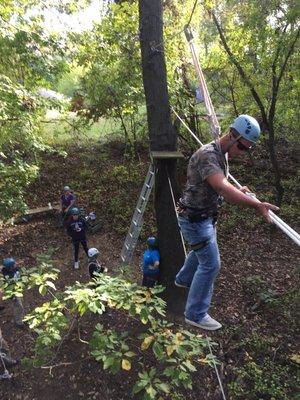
(249, 54)
(178, 352)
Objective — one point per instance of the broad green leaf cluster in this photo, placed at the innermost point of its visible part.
(177, 352)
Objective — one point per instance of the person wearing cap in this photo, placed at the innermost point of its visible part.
(76, 229)
(67, 201)
(207, 184)
(11, 274)
(151, 261)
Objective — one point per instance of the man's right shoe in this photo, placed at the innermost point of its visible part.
(76, 265)
(181, 285)
(207, 322)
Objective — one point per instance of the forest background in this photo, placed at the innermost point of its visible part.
(67, 88)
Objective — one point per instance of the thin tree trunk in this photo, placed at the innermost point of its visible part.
(163, 137)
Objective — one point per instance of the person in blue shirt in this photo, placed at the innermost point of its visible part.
(151, 260)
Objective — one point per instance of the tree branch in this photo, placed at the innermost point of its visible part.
(276, 80)
(241, 71)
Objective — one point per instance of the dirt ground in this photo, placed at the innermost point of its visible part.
(262, 250)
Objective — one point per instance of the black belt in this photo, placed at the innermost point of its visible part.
(196, 215)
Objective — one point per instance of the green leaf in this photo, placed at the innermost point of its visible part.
(50, 284)
(164, 387)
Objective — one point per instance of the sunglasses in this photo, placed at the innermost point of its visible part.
(242, 147)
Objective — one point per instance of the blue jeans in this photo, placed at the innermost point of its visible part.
(201, 265)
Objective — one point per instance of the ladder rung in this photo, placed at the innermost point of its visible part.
(136, 222)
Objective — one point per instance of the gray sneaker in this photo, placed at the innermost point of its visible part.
(207, 322)
(181, 285)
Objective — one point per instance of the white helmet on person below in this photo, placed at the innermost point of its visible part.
(93, 252)
(67, 188)
(247, 127)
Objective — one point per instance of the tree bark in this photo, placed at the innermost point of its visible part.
(163, 137)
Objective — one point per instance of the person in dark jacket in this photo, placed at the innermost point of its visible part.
(94, 265)
(76, 229)
(11, 274)
(67, 201)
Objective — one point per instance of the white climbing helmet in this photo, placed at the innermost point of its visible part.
(247, 127)
(93, 252)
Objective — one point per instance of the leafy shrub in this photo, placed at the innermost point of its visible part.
(268, 381)
(177, 353)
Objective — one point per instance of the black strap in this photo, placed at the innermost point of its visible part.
(200, 245)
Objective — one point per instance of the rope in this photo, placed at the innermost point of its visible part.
(156, 47)
(175, 209)
(184, 248)
(275, 219)
(216, 369)
(214, 124)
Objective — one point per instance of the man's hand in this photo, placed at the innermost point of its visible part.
(263, 209)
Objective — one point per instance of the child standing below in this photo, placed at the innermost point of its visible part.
(76, 229)
(151, 260)
(11, 274)
(94, 265)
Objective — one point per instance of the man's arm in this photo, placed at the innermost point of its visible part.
(224, 188)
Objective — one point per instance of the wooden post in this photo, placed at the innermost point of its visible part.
(163, 138)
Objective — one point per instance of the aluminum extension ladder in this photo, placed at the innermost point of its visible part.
(137, 219)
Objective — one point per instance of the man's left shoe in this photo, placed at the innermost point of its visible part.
(207, 323)
(181, 285)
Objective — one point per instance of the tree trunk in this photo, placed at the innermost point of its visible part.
(274, 161)
(163, 137)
